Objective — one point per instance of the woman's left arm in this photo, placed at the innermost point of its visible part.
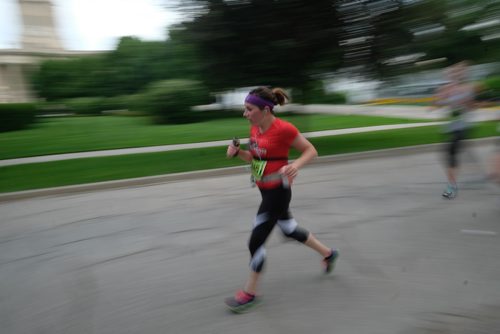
(308, 152)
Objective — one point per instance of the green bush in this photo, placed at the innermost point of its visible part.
(135, 103)
(490, 89)
(122, 105)
(48, 108)
(216, 114)
(492, 82)
(86, 105)
(115, 103)
(16, 116)
(314, 93)
(332, 98)
(171, 101)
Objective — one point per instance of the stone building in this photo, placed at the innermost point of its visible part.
(40, 40)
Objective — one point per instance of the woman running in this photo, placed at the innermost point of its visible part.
(459, 97)
(270, 141)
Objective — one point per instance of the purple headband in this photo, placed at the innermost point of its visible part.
(258, 101)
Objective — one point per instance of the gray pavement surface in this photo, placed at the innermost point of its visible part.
(411, 112)
(161, 258)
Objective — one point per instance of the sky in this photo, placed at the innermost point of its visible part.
(94, 24)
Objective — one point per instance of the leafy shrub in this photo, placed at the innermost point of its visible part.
(171, 101)
(47, 108)
(16, 116)
(116, 102)
(492, 82)
(332, 98)
(86, 105)
(216, 114)
(135, 103)
(314, 93)
(490, 89)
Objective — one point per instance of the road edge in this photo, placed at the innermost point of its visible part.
(219, 172)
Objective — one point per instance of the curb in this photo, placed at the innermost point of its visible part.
(219, 172)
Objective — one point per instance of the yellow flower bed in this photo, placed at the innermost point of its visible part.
(401, 100)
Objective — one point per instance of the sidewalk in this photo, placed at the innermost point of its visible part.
(165, 148)
(409, 112)
(224, 172)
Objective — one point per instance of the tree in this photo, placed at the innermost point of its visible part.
(420, 31)
(127, 70)
(57, 79)
(245, 43)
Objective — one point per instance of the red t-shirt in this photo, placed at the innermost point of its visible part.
(272, 146)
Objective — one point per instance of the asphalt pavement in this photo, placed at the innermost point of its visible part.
(161, 258)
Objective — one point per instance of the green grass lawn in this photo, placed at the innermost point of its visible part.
(79, 134)
(78, 171)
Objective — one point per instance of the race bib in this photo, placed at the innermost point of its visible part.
(258, 167)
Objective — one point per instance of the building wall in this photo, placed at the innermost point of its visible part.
(13, 85)
(40, 40)
(39, 28)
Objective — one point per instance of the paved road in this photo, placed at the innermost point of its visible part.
(160, 259)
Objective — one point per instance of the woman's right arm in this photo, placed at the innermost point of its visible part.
(233, 151)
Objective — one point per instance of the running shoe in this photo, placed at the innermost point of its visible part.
(329, 261)
(450, 192)
(241, 302)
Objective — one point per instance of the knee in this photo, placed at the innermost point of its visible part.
(291, 229)
(452, 162)
(452, 159)
(300, 234)
(452, 156)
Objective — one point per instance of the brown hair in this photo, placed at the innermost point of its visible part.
(275, 95)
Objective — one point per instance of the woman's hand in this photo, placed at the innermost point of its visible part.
(289, 171)
(232, 151)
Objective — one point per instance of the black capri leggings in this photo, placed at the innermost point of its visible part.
(273, 209)
(454, 146)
